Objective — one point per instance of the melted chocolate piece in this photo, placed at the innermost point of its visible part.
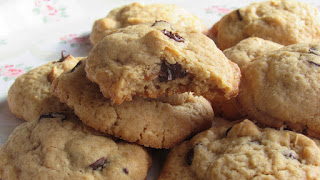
(170, 72)
(63, 57)
(174, 36)
(156, 22)
(289, 155)
(74, 68)
(98, 164)
(53, 115)
(189, 157)
(228, 130)
(239, 15)
(125, 170)
(314, 51)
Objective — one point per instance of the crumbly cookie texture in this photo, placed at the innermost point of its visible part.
(244, 151)
(283, 21)
(137, 13)
(30, 96)
(281, 89)
(57, 146)
(157, 123)
(151, 60)
(250, 48)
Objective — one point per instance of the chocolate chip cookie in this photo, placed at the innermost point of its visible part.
(281, 89)
(249, 49)
(58, 146)
(30, 96)
(244, 151)
(137, 13)
(152, 60)
(282, 21)
(157, 123)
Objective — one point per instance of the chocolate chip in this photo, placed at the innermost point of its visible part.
(314, 51)
(63, 57)
(289, 155)
(170, 72)
(174, 36)
(125, 170)
(239, 15)
(156, 22)
(74, 68)
(189, 157)
(53, 115)
(98, 164)
(228, 130)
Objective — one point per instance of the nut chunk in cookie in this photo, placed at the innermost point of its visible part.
(244, 151)
(58, 146)
(282, 21)
(151, 60)
(137, 13)
(281, 89)
(157, 123)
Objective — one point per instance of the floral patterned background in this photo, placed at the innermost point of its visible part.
(36, 31)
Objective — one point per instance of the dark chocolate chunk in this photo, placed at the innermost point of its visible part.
(125, 170)
(156, 22)
(228, 130)
(170, 72)
(189, 156)
(289, 155)
(174, 36)
(239, 15)
(98, 164)
(53, 115)
(63, 57)
(314, 51)
(74, 68)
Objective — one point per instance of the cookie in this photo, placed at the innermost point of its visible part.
(57, 146)
(244, 151)
(137, 13)
(156, 123)
(282, 21)
(152, 60)
(30, 96)
(281, 89)
(249, 49)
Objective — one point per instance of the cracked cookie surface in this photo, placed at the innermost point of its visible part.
(137, 13)
(281, 89)
(157, 123)
(244, 151)
(29, 96)
(152, 60)
(58, 146)
(283, 21)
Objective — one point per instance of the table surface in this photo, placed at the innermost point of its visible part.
(35, 32)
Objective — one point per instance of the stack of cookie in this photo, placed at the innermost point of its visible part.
(154, 79)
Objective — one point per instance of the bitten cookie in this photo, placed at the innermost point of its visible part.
(249, 49)
(59, 147)
(157, 123)
(30, 96)
(283, 21)
(244, 151)
(151, 60)
(281, 89)
(137, 13)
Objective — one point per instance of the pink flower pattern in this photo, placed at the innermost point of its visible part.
(49, 10)
(75, 40)
(9, 72)
(218, 10)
